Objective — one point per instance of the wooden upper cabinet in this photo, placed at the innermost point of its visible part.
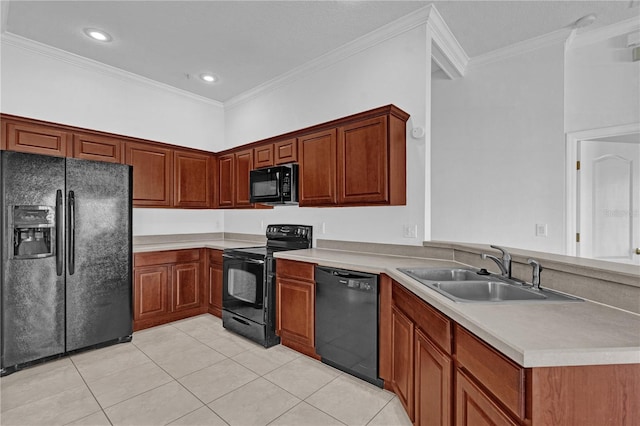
(363, 162)
(37, 139)
(244, 164)
(372, 161)
(286, 151)
(98, 148)
(152, 174)
(226, 182)
(263, 156)
(192, 186)
(317, 174)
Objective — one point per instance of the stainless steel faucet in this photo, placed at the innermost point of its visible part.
(535, 281)
(504, 263)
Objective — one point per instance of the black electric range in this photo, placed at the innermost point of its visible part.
(249, 280)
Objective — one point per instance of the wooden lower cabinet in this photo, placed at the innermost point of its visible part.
(433, 375)
(150, 292)
(295, 305)
(168, 285)
(474, 407)
(402, 359)
(421, 371)
(443, 375)
(186, 292)
(214, 290)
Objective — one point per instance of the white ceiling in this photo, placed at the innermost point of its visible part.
(247, 43)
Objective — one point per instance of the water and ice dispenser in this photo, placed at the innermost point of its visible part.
(34, 231)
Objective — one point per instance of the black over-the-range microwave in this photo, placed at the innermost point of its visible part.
(276, 185)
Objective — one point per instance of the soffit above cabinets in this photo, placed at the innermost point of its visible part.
(249, 43)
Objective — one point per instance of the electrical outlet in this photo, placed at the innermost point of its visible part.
(541, 229)
(410, 231)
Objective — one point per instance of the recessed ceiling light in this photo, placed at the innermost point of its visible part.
(97, 34)
(208, 77)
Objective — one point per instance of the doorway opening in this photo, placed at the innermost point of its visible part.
(603, 194)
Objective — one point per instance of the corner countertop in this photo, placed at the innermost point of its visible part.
(182, 245)
(531, 334)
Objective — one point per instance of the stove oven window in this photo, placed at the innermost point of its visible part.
(242, 285)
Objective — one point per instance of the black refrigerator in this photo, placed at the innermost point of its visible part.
(66, 256)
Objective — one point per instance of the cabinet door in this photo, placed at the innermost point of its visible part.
(37, 139)
(286, 151)
(432, 385)
(474, 407)
(295, 311)
(215, 282)
(244, 164)
(402, 358)
(191, 179)
(263, 156)
(363, 164)
(226, 186)
(98, 148)
(317, 175)
(186, 286)
(152, 174)
(150, 292)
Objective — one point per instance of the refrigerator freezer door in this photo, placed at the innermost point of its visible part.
(32, 308)
(99, 289)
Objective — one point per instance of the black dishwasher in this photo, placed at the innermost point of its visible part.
(347, 321)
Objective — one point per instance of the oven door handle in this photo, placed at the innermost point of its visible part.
(243, 259)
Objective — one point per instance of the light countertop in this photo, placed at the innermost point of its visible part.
(212, 244)
(531, 334)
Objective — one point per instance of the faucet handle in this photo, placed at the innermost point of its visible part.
(505, 254)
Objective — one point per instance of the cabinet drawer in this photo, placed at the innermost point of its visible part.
(435, 325)
(293, 269)
(162, 257)
(503, 378)
(215, 257)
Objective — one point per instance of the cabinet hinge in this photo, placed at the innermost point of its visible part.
(577, 237)
(577, 165)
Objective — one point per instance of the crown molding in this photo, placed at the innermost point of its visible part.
(386, 32)
(603, 33)
(448, 53)
(19, 42)
(555, 37)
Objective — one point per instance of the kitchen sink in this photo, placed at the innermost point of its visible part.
(486, 291)
(467, 285)
(445, 274)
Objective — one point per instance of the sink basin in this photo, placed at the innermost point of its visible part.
(486, 291)
(466, 285)
(445, 274)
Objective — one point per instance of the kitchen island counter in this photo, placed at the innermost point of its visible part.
(547, 334)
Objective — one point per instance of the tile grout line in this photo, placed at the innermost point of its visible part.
(92, 394)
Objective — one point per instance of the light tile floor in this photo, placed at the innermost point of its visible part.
(192, 372)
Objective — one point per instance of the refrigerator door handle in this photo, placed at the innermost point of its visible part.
(72, 233)
(59, 240)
